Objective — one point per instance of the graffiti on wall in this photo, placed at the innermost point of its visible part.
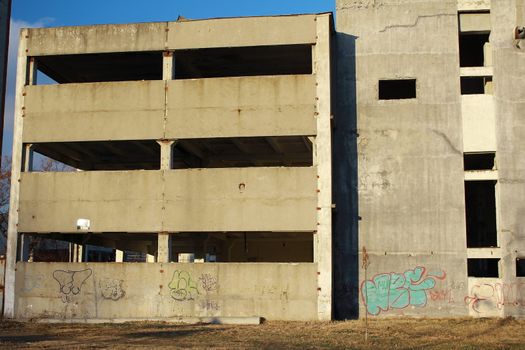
(71, 282)
(112, 289)
(496, 295)
(182, 286)
(388, 291)
(208, 282)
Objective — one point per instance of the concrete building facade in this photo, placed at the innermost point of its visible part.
(428, 99)
(275, 167)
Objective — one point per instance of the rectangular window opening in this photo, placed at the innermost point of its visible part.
(480, 207)
(102, 247)
(96, 155)
(488, 268)
(241, 152)
(473, 49)
(476, 85)
(479, 161)
(397, 89)
(242, 247)
(243, 61)
(99, 67)
(520, 267)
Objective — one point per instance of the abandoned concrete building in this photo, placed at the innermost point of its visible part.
(296, 167)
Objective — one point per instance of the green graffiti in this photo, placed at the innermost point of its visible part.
(182, 286)
(398, 290)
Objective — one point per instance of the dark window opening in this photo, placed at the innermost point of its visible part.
(102, 155)
(186, 153)
(480, 207)
(100, 247)
(242, 247)
(397, 89)
(520, 267)
(100, 67)
(476, 85)
(242, 152)
(479, 161)
(243, 61)
(483, 268)
(471, 49)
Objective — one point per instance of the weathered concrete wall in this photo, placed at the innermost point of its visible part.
(97, 38)
(509, 94)
(249, 31)
(99, 111)
(410, 159)
(133, 290)
(248, 106)
(224, 32)
(209, 200)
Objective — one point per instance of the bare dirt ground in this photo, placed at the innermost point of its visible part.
(383, 334)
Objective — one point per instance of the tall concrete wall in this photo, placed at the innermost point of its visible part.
(509, 95)
(409, 192)
(112, 291)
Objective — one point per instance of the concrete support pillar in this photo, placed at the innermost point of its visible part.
(166, 148)
(168, 66)
(31, 72)
(119, 255)
(322, 156)
(16, 166)
(28, 157)
(164, 247)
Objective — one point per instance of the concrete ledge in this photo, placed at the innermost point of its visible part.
(255, 320)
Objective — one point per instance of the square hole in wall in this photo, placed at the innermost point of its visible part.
(520, 267)
(479, 161)
(476, 85)
(483, 268)
(397, 89)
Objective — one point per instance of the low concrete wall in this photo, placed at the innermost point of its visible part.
(151, 290)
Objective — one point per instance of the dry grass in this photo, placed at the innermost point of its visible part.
(383, 334)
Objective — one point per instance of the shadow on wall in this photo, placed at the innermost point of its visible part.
(344, 150)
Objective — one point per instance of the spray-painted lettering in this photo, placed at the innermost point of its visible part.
(388, 291)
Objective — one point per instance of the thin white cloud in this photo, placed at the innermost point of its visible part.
(14, 32)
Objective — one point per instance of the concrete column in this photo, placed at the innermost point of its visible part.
(164, 247)
(119, 255)
(28, 157)
(16, 166)
(168, 66)
(31, 72)
(166, 148)
(323, 161)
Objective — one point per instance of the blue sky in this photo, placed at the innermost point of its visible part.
(52, 13)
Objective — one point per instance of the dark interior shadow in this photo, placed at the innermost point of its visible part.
(345, 182)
